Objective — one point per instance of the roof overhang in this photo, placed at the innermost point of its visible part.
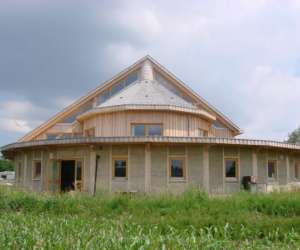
(150, 139)
(127, 107)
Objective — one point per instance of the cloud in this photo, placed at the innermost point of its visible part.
(12, 125)
(19, 116)
(273, 98)
(240, 55)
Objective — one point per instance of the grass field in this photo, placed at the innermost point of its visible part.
(191, 221)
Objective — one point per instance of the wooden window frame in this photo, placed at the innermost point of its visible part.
(19, 171)
(174, 157)
(297, 170)
(34, 176)
(146, 128)
(120, 158)
(237, 175)
(276, 170)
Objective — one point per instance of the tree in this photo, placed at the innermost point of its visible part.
(6, 165)
(294, 137)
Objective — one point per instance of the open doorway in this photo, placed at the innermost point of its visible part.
(67, 182)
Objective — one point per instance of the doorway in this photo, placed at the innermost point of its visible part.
(67, 173)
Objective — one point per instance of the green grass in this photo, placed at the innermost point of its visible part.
(190, 221)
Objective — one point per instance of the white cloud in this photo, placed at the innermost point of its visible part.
(273, 106)
(13, 125)
(19, 116)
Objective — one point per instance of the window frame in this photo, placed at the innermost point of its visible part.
(34, 176)
(154, 124)
(183, 158)
(237, 172)
(297, 170)
(146, 128)
(119, 158)
(19, 167)
(275, 169)
(133, 129)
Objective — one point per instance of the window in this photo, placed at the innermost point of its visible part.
(297, 170)
(154, 130)
(78, 175)
(147, 129)
(37, 169)
(272, 171)
(52, 136)
(139, 130)
(120, 168)
(177, 167)
(231, 168)
(203, 133)
(19, 171)
(78, 170)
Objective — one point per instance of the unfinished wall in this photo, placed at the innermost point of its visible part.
(159, 173)
(195, 166)
(137, 168)
(216, 170)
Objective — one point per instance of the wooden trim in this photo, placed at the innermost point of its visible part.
(126, 107)
(121, 158)
(237, 161)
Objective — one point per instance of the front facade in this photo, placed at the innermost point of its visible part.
(146, 131)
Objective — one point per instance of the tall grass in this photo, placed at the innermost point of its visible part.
(190, 221)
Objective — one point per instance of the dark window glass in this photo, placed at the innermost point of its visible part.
(139, 130)
(78, 171)
(131, 78)
(37, 169)
(176, 168)
(120, 168)
(117, 88)
(271, 169)
(154, 130)
(52, 136)
(231, 166)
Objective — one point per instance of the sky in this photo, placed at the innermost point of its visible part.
(243, 56)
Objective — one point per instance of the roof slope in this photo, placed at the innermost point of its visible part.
(147, 93)
(137, 65)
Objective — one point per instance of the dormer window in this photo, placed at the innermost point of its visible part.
(147, 130)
